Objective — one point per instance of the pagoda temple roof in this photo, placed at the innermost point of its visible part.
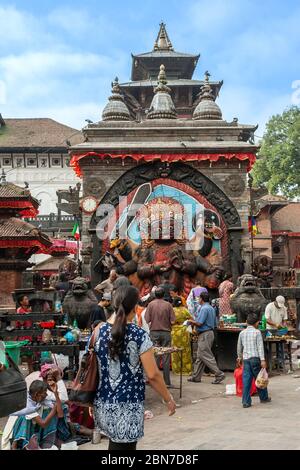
(18, 233)
(13, 197)
(50, 264)
(37, 132)
(172, 54)
(273, 202)
(60, 246)
(175, 82)
(10, 190)
(178, 64)
(287, 218)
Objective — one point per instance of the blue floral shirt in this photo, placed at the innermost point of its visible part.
(119, 402)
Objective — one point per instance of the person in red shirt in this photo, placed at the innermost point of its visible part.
(23, 309)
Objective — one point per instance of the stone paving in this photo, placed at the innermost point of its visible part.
(216, 421)
(207, 419)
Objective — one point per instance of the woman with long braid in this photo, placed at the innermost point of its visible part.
(124, 353)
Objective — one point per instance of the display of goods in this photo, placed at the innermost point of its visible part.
(46, 336)
(47, 324)
(164, 350)
(229, 318)
(282, 332)
(69, 337)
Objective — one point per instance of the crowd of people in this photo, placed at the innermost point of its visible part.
(125, 328)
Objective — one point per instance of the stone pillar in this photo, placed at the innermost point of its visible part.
(236, 262)
(9, 281)
(86, 248)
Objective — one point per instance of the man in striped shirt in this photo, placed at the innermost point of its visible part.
(250, 352)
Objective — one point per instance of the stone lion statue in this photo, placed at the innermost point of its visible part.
(78, 302)
(247, 298)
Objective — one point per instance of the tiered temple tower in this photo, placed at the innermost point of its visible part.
(165, 139)
(19, 240)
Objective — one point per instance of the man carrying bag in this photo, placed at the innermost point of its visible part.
(250, 352)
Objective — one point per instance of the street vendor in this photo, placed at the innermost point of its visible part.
(23, 309)
(276, 313)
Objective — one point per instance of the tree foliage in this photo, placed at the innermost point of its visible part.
(278, 163)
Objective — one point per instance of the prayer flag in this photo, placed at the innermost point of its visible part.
(252, 226)
(75, 231)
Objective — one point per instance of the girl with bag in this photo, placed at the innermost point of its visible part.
(124, 353)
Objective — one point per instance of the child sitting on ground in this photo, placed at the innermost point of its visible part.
(39, 424)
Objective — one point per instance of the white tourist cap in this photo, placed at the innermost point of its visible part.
(106, 296)
(280, 300)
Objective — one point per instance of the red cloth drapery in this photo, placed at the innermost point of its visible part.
(46, 273)
(165, 157)
(61, 246)
(25, 208)
(285, 233)
(19, 243)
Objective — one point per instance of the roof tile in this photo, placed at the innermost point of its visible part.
(17, 228)
(38, 132)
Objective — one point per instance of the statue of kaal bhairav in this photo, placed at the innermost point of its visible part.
(168, 255)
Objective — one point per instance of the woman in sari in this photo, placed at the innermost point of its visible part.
(181, 339)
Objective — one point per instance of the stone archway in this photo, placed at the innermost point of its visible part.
(182, 173)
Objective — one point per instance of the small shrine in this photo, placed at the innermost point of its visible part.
(166, 147)
(19, 240)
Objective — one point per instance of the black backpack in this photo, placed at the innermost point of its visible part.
(13, 389)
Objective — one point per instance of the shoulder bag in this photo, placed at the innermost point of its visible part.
(86, 382)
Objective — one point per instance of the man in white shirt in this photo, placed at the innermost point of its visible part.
(276, 313)
(250, 353)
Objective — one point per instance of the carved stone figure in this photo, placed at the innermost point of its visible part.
(247, 298)
(263, 269)
(78, 302)
(234, 185)
(95, 186)
(68, 266)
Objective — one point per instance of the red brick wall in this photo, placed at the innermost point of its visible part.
(263, 241)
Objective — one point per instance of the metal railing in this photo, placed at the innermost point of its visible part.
(53, 221)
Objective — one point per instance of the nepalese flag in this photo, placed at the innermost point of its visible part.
(75, 231)
(252, 226)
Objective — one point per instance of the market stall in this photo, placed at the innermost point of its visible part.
(47, 333)
(226, 346)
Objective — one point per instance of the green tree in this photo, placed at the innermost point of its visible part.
(278, 163)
